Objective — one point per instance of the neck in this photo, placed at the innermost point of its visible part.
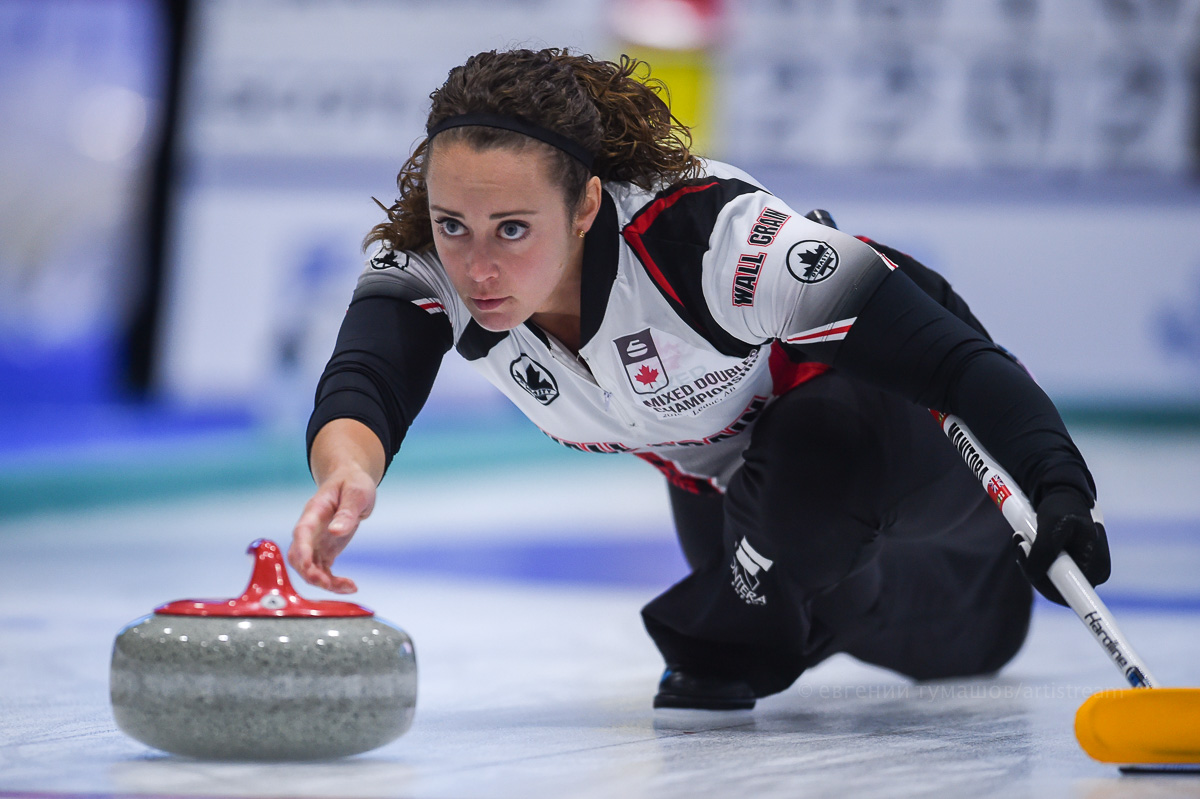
(562, 315)
(564, 327)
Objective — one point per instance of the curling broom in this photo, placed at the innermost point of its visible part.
(1157, 729)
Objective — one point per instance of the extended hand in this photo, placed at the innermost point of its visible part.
(326, 526)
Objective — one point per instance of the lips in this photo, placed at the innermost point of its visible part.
(488, 305)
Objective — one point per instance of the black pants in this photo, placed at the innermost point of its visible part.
(853, 526)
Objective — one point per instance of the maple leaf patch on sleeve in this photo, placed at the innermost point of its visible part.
(811, 261)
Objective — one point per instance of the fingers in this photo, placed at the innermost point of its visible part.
(321, 573)
(318, 512)
(1077, 536)
(326, 525)
(1051, 538)
(1089, 549)
(300, 553)
(355, 505)
(303, 559)
(316, 568)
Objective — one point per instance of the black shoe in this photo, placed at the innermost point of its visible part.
(685, 689)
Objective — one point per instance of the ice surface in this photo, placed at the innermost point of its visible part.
(540, 685)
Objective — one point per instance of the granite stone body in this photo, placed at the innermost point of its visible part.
(263, 688)
(268, 675)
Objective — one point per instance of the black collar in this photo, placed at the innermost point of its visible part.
(600, 253)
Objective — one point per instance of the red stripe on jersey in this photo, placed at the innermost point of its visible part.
(871, 244)
(786, 374)
(821, 334)
(634, 230)
(678, 478)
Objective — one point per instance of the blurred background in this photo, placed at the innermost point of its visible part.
(184, 187)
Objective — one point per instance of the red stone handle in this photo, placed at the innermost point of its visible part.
(269, 593)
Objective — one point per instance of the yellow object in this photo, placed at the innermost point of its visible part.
(1141, 725)
(688, 77)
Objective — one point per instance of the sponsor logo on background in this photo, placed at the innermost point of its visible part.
(643, 367)
(534, 378)
(812, 261)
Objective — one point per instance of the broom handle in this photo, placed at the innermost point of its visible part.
(1064, 572)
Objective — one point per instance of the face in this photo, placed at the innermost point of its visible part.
(504, 233)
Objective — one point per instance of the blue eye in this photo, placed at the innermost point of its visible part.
(513, 231)
(451, 226)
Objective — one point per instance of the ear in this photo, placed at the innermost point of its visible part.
(590, 206)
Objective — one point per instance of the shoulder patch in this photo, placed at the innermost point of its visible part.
(387, 259)
(811, 261)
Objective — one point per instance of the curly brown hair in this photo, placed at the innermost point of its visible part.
(614, 109)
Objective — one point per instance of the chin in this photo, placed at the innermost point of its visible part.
(496, 323)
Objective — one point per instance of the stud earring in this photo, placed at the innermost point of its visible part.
(582, 233)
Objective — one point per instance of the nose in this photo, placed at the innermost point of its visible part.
(480, 265)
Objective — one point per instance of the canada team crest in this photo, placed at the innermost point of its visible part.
(642, 364)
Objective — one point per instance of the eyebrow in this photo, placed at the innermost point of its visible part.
(500, 215)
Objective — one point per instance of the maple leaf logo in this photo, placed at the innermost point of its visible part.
(646, 376)
(535, 381)
(388, 259)
(812, 261)
(534, 378)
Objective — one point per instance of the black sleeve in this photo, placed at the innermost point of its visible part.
(383, 367)
(931, 283)
(906, 342)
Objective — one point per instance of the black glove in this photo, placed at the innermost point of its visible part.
(1064, 520)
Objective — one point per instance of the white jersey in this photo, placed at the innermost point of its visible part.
(687, 295)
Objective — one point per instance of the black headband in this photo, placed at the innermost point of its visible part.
(568, 146)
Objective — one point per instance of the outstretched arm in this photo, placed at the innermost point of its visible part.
(347, 462)
(381, 372)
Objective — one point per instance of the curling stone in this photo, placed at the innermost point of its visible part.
(267, 676)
